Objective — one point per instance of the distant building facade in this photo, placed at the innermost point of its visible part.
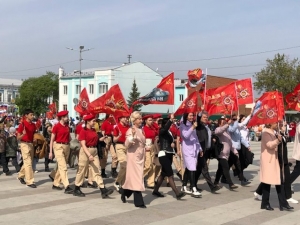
(9, 90)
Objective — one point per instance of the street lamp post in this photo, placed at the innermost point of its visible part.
(81, 49)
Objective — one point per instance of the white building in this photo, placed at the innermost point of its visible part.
(98, 80)
(9, 90)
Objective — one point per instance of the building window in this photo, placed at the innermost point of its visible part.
(65, 107)
(77, 88)
(65, 89)
(1, 97)
(103, 87)
(91, 88)
(17, 96)
(9, 97)
(181, 97)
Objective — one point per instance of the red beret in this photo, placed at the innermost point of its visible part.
(62, 113)
(88, 117)
(147, 116)
(156, 116)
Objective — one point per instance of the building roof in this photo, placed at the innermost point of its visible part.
(91, 71)
(15, 82)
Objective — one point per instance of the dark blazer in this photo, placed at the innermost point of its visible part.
(283, 151)
(202, 133)
(165, 138)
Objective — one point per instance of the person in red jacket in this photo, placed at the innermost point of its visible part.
(292, 131)
(25, 134)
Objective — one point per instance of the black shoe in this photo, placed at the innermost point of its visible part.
(179, 176)
(232, 187)
(288, 208)
(168, 185)
(47, 169)
(106, 192)
(78, 193)
(180, 195)
(215, 188)
(69, 190)
(92, 185)
(245, 182)
(158, 194)
(56, 188)
(149, 187)
(84, 185)
(142, 207)
(8, 173)
(114, 174)
(51, 178)
(267, 207)
(22, 181)
(123, 198)
(31, 185)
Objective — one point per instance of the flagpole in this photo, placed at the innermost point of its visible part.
(205, 87)
(237, 101)
(252, 90)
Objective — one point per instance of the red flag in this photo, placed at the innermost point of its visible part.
(38, 124)
(49, 115)
(189, 105)
(52, 108)
(221, 100)
(163, 93)
(83, 104)
(244, 91)
(293, 99)
(268, 109)
(196, 77)
(112, 102)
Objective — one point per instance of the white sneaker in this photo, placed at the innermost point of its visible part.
(257, 196)
(195, 193)
(185, 190)
(291, 200)
(117, 186)
(36, 171)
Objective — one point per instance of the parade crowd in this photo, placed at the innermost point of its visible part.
(144, 149)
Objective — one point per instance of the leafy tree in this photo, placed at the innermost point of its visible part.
(280, 74)
(35, 91)
(133, 96)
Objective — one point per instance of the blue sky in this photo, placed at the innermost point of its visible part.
(34, 33)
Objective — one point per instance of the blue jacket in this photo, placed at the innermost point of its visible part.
(236, 136)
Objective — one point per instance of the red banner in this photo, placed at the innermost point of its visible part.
(244, 91)
(163, 93)
(83, 104)
(38, 124)
(293, 99)
(268, 109)
(52, 108)
(112, 102)
(49, 115)
(189, 105)
(221, 100)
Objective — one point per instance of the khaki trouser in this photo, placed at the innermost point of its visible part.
(53, 172)
(122, 159)
(149, 167)
(27, 155)
(61, 152)
(114, 159)
(83, 166)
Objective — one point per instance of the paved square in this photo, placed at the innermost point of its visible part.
(22, 205)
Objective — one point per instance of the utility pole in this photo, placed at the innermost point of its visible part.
(129, 57)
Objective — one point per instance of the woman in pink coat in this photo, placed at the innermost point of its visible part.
(270, 173)
(135, 144)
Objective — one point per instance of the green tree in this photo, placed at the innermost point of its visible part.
(133, 96)
(280, 74)
(35, 91)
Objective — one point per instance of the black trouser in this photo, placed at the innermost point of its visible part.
(3, 162)
(47, 161)
(189, 176)
(137, 197)
(14, 163)
(296, 172)
(266, 194)
(223, 169)
(202, 167)
(286, 184)
(234, 160)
